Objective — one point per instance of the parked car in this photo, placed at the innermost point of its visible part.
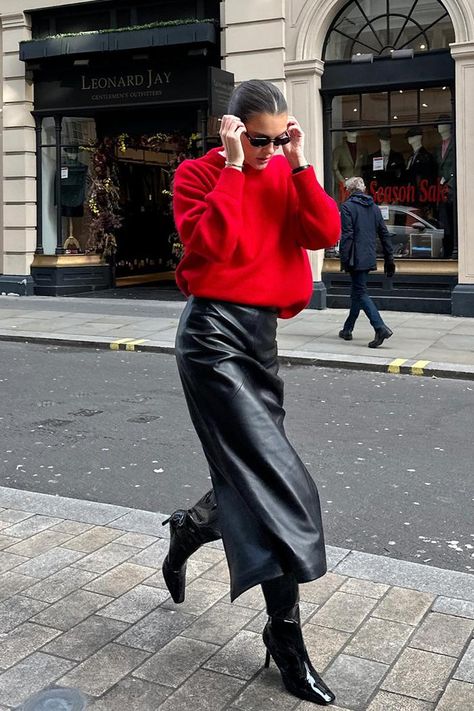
(412, 234)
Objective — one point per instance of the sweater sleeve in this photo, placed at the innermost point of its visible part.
(208, 218)
(316, 214)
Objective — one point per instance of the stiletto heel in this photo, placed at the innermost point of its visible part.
(167, 521)
(267, 660)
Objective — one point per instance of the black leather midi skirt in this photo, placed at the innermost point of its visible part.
(267, 503)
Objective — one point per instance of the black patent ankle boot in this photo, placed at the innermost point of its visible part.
(283, 639)
(189, 530)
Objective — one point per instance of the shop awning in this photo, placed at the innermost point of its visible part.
(119, 40)
(427, 69)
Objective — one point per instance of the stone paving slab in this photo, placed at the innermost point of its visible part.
(29, 676)
(72, 509)
(465, 671)
(12, 583)
(92, 612)
(381, 569)
(457, 697)
(133, 695)
(419, 674)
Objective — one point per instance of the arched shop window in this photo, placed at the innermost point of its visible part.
(379, 27)
(391, 122)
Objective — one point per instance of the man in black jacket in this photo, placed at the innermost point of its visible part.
(362, 222)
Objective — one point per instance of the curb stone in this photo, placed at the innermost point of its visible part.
(401, 366)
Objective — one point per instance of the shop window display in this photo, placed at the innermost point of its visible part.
(114, 191)
(75, 134)
(409, 170)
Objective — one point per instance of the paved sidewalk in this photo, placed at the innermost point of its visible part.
(83, 606)
(422, 344)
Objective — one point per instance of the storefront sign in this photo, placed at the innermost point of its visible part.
(148, 79)
(221, 86)
(377, 163)
(152, 83)
(424, 192)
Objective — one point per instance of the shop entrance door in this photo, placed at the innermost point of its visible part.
(147, 147)
(145, 239)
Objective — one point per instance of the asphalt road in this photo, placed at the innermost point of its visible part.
(392, 455)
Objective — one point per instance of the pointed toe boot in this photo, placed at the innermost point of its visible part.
(189, 530)
(283, 639)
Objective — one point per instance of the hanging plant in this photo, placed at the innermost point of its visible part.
(103, 200)
(190, 148)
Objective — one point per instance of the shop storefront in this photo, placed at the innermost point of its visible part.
(388, 92)
(115, 110)
(383, 89)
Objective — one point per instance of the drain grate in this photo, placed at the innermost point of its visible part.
(56, 700)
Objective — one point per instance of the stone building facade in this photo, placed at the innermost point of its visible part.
(306, 48)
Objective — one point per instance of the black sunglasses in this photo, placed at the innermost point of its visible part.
(261, 141)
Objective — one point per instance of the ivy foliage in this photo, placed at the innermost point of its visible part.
(148, 26)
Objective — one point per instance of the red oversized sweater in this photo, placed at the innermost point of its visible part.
(245, 234)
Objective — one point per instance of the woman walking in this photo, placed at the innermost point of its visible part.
(246, 217)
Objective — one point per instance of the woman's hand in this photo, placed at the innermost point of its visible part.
(294, 150)
(231, 130)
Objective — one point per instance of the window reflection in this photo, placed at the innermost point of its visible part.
(346, 111)
(375, 108)
(403, 106)
(434, 102)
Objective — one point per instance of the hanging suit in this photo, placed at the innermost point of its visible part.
(446, 166)
(343, 164)
(392, 172)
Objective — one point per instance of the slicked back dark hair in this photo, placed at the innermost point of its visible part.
(256, 96)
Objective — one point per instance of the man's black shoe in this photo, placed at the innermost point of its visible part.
(380, 335)
(346, 335)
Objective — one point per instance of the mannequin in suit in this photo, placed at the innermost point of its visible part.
(445, 154)
(73, 194)
(421, 165)
(347, 161)
(393, 163)
(445, 162)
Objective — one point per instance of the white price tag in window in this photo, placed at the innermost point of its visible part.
(385, 212)
(64, 172)
(377, 163)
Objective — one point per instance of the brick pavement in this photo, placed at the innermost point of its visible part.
(83, 605)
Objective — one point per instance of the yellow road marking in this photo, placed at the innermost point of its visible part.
(131, 345)
(417, 368)
(394, 366)
(115, 345)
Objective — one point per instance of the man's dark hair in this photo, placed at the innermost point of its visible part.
(256, 96)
